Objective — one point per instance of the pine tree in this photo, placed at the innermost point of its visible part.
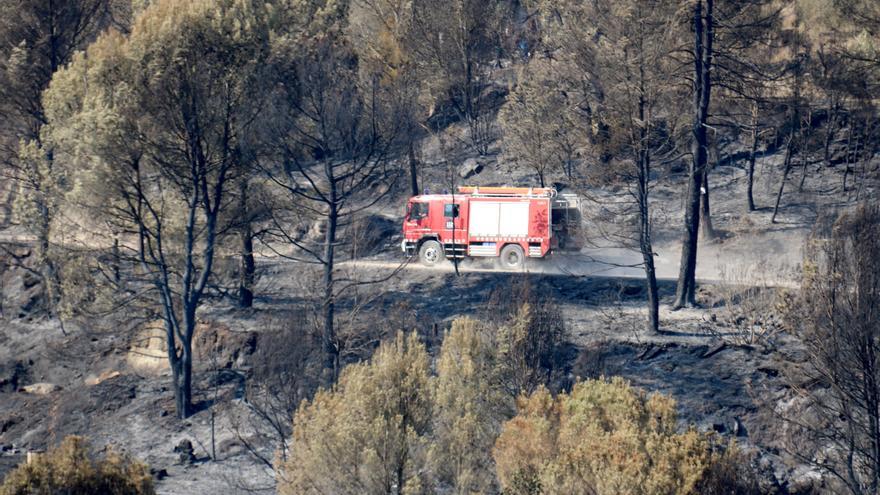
(605, 437)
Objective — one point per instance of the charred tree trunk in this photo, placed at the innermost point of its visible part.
(413, 170)
(708, 232)
(848, 153)
(328, 337)
(829, 132)
(789, 151)
(866, 153)
(183, 382)
(804, 155)
(795, 125)
(246, 266)
(645, 243)
(644, 179)
(47, 265)
(750, 198)
(703, 37)
(116, 263)
(179, 343)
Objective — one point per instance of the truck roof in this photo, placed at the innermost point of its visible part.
(493, 192)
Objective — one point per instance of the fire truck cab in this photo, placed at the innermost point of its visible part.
(510, 223)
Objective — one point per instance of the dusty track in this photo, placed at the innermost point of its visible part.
(766, 261)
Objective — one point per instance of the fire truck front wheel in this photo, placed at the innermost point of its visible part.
(512, 257)
(430, 253)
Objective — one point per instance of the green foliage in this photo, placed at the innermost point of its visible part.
(155, 126)
(542, 128)
(531, 348)
(41, 189)
(368, 434)
(122, 107)
(71, 469)
(389, 425)
(469, 408)
(604, 437)
(617, 64)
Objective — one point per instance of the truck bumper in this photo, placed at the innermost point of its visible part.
(408, 247)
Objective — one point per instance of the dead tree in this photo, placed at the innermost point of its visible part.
(334, 143)
(795, 136)
(704, 35)
(625, 74)
(838, 323)
(753, 148)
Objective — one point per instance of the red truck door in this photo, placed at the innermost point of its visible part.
(454, 226)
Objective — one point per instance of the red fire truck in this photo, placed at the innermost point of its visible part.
(510, 223)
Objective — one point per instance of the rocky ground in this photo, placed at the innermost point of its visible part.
(729, 365)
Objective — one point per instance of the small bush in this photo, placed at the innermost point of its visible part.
(531, 338)
(70, 469)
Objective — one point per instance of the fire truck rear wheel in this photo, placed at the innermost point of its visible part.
(430, 253)
(512, 257)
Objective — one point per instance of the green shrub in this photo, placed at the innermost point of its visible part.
(605, 437)
(70, 469)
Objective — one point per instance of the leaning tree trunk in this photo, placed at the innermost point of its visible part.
(686, 289)
(786, 169)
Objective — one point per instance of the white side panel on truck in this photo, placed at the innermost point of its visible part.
(483, 221)
(499, 219)
(514, 221)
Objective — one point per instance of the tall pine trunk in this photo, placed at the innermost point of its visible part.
(644, 180)
(247, 266)
(847, 156)
(703, 36)
(785, 171)
(750, 198)
(247, 269)
(413, 170)
(706, 228)
(829, 131)
(328, 337)
(180, 358)
(645, 244)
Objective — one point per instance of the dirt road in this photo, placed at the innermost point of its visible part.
(771, 259)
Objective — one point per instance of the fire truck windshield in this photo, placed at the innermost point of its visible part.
(417, 211)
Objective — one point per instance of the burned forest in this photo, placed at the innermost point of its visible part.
(519, 247)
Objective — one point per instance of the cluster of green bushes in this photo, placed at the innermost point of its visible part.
(404, 423)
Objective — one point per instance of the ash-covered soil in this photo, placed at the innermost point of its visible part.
(99, 393)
